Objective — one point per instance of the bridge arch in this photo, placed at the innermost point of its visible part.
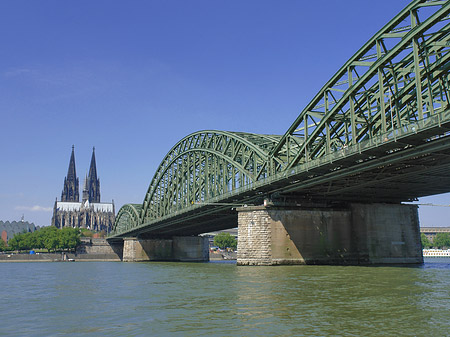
(127, 218)
(203, 165)
(390, 96)
(397, 79)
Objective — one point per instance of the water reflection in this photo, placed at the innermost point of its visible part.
(340, 300)
(211, 299)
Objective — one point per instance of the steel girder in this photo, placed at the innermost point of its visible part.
(387, 101)
(398, 78)
(127, 218)
(201, 166)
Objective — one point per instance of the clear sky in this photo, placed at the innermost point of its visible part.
(134, 77)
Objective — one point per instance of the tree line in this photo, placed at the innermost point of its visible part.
(54, 239)
(50, 238)
(441, 240)
(225, 240)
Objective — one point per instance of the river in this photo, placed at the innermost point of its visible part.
(222, 299)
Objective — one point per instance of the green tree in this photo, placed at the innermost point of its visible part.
(20, 241)
(29, 241)
(3, 246)
(49, 238)
(13, 244)
(69, 238)
(225, 240)
(425, 242)
(41, 235)
(442, 240)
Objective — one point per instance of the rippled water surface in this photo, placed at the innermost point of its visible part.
(221, 299)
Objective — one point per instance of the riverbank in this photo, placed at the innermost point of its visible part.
(92, 249)
(219, 256)
(57, 257)
(70, 257)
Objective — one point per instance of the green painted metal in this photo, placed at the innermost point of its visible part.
(204, 165)
(394, 88)
(399, 77)
(127, 218)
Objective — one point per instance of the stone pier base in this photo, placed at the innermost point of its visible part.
(179, 248)
(357, 235)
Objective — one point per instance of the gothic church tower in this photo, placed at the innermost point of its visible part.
(90, 213)
(93, 181)
(70, 191)
(85, 190)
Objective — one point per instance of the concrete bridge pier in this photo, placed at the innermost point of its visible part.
(178, 248)
(359, 234)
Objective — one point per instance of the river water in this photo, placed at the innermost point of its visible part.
(222, 299)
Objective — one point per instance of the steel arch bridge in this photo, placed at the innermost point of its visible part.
(377, 131)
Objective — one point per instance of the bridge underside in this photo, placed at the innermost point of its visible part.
(382, 174)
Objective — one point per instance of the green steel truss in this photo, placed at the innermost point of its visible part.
(398, 78)
(201, 166)
(395, 86)
(129, 216)
(204, 165)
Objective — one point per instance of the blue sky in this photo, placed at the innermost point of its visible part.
(134, 77)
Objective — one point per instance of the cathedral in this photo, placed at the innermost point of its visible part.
(90, 213)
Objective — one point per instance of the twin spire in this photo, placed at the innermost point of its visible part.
(91, 189)
(70, 190)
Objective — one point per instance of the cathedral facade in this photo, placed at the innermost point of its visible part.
(90, 213)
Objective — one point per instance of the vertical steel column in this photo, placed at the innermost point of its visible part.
(327, 124)
(188, 179)
(381, 89)
(194, 177)
(369, 115)
(305, 121)
(352, 106)
(429, 77)
(415, 43)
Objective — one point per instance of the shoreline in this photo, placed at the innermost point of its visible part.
(83, 257)
(58, 257)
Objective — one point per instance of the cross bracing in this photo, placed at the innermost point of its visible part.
(397, 78)
(376, 131)
(128, 217)
(204, 165)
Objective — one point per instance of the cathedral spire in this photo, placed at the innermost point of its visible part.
(85, 190)
(93, 181)
(72, 171)
(70, 190)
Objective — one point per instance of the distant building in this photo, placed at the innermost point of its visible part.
(9, 229)
(90, 213)
(430, 232)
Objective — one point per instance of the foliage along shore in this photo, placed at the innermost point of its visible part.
(47, 238)
(442, 240)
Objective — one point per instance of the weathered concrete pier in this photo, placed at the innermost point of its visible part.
(178, 248)
(357, 235)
